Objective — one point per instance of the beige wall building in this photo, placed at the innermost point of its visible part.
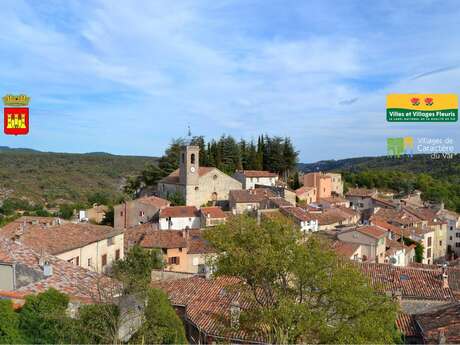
(336, 183)
(184, 251)
(138, 211)
(371, 239)
(320, 181)
(199, 186)
(94, 247)
(250, 178)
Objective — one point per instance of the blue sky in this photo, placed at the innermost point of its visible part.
(128, 76)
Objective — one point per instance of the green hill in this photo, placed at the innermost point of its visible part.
(57, 178)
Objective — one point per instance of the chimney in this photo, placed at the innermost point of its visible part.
(445, 277)
(235, 314)
(47, 268)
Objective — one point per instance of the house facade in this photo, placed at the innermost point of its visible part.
(371, 239)
(179, 218)
(138, 211)
(250, 178)
(93, 247)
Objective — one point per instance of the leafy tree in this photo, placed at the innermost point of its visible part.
(99, 198)
(136, 267)
(161, 325)
(43, 319)
(108, 217)
(9, 324)
(419, 252)
(300, 291)
(66, 211)
(176, 199)
(170, 161)
(97, 324)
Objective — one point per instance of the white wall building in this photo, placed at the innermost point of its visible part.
(180, 218)
(250, 178)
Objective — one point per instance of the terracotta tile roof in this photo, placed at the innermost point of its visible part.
(257, 173)
(193, 240)
(333, 200)
(413, 283)
(154, 201)
(298, 213)
(77, 282)
(387, 226)
(444, 321)
(372, 231)
(303, 190)
(362, 192)
(58, 239)
(207, 304)
(213, 212)
(397, 216)
(196, 244)
(344, 248)
(135, 234)
(407, 325)
(173, 178)
(164, 239)
(334, 215)
(280, 202)
(179, 212)
(386, 202)
(251, 195)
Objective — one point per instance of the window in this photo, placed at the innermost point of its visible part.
(110, 241)
(457, 234)
(180, 250)
(117, 254)
(428, 252)
(429, 242)
(90, 262)
(104, 260)
(141, 213)
(174, 260)
(75, 261)
(457, 244)
(451, 228)
(192, 158)
(450, 238)
(196, 188)
(215, 177)
(121, 213)
(440, 243)
(355, 257)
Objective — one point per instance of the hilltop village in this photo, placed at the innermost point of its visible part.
(406, 247)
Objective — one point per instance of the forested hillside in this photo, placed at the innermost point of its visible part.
(55, 178)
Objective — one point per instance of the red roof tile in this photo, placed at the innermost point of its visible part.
(213, 212)
(58, 239)
(75, 281)
(257, 173)
(154, 201)
(179, 212)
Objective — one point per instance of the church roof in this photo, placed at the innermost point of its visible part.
(173, 178)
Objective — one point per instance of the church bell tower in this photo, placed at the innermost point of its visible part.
(189, 165)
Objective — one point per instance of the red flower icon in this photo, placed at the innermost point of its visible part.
(415, 101)
(429, 101)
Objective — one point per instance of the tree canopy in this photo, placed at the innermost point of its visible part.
(301, 291)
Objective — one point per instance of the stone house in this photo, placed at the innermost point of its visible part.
(138, 211)
(197, 185)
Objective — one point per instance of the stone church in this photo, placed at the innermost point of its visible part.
(198, 185)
